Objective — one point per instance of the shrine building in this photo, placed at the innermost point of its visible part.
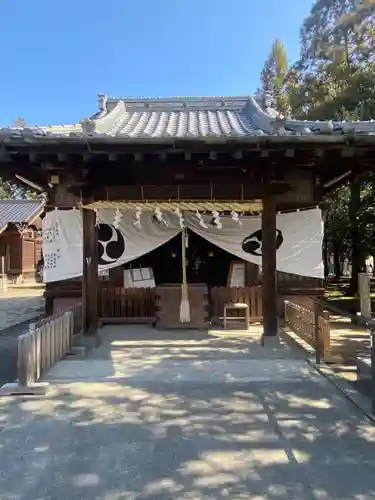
(204, 200)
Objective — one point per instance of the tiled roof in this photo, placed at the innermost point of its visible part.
(18, 211)
(187, 118)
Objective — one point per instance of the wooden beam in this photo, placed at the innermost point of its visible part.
(269, 285)
(220, 190)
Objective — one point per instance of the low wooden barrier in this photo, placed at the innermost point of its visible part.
(251, 295)
(311, 326)
(46, 342)
(126, 304)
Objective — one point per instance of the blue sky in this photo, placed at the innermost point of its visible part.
(57, 55)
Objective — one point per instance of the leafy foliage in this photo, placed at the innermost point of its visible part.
(334, 79)
(275, 77)
(10, 190)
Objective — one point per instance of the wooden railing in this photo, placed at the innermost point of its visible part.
(311, 326)
(46, 342)
(129, 303)
(252, 296)
(288, 280)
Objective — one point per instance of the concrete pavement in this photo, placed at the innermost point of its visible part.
(18, 307)
(202, 418)
(20, 304)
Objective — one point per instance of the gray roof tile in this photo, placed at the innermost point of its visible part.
(186, 118)
(18, 211)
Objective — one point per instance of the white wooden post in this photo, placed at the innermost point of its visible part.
(364, 295)
(3, 279)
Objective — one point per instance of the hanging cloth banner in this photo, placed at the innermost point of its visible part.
(299, 239)
(62, 245)
(63, 257)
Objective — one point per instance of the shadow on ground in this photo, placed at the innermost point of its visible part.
(188, 442)
(275, 437)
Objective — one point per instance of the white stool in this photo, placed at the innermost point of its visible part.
(234, 306)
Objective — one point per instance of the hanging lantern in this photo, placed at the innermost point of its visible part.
(117, 218)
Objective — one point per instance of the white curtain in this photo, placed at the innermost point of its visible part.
(299, 240)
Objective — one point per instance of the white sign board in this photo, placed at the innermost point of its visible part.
(237, 277)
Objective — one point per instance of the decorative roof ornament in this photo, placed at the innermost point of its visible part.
(268, 100)
(88, 126)
(102, 99)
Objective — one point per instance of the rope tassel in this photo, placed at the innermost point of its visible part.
(185, 304)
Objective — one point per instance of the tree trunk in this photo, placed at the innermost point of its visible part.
(356, 257)
(336, 260)
(325, 259)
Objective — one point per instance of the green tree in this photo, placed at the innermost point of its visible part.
(275, 77)
(337, 78)
(6, 190)
(334, 80)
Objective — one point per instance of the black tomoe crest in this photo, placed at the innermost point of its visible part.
(111, 244)
(253, 244)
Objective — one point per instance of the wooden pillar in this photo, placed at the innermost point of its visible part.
(269, 285)
(90, 281)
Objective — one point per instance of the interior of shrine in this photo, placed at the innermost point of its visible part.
(205, 263)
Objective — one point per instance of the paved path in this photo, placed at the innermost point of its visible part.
(18, 307)
(195, 418)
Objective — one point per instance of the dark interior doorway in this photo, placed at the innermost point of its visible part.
(206, 263)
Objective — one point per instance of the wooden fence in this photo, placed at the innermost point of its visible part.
(46, 342)
(251, 295)
(129, 303)
(138, 304)
(312, 327)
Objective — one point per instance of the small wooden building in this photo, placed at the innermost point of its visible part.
(206, 152)
(21, 238)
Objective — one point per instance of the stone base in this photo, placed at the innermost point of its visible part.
(78, 352)
(364, 368)
(35, 389)
(86, 341)
(270, 342)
